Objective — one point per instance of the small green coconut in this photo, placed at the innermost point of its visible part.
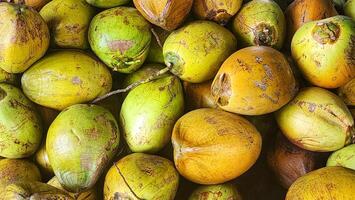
(120, 37)
(197, 50)
(80, 143)
(344, 157)
(20, 124)
(149, 111)
(141, 176)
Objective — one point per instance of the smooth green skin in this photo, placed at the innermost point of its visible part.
(120, 37)
(344, 157)
(317, 120)
(149, 112)
(20, 125)
(349, 9)
(216, 192)
(33, 191)
(259, 12)
(149, 176)
(68, 22)
(198, 49)
(17, 170)
(310, 54)
(107, 3)
(7, 77)
(65, 78)
(81, 142)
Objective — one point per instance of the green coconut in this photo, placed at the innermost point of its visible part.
(20, 125)
(68, 22)
(317, 120)
(80, 143)
(107, 3)
(17, 170)
(324, 50)
(197, 50)
(344, 157)
(141, 176)
(120, 37)
(149, 111)
(65, 78)
(261, 23)
(216, 192)
(24, 37)
(33, 191)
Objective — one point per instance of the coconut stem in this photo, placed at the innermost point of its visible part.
(124, 179)
(156, 37)
(135, 84)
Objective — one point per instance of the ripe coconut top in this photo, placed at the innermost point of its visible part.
(22, 31)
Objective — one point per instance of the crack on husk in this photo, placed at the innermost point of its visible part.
(125, 181)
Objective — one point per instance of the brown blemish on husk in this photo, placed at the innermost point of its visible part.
(326, 33)
(121, 45)
(222, 90)
(76, 80)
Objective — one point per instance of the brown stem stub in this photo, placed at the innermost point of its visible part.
(326, 33)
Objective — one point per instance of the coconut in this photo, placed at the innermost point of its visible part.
(20, 124)
(254, 81)
(141, 176)
(215, 44)
(80, 143)
(209, 142)
(68, 22)
(324, 51)
(124, 51)
(317, 120)
(83, 78)
(149, 111)
(24, 37)
(260, 22)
